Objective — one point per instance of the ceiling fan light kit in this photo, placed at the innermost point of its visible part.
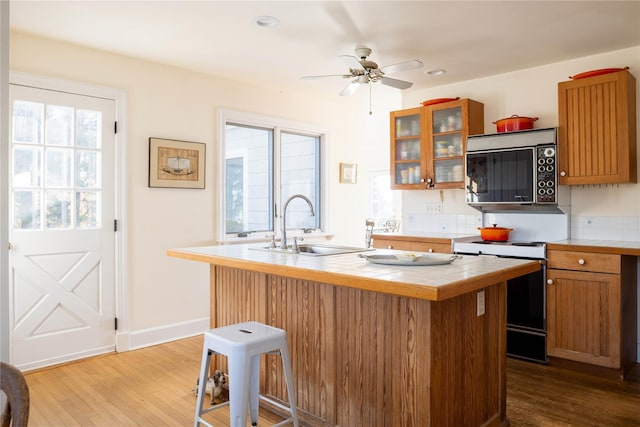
(364, 71)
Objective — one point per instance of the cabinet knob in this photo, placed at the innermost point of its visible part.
(581, 261)
(390, 247)
(430, 250)
(549, 281)
(563, 173)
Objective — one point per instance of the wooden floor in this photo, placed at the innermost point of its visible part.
(153, 387)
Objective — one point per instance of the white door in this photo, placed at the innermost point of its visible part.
(62, 239)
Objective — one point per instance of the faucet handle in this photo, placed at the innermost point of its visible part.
(272, 245)
(295, 243)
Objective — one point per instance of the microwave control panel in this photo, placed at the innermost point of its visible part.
(546, 174)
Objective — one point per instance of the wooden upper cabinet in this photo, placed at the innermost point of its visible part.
(428, 144)
(597, 129)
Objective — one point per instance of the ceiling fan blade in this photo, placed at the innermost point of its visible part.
(402, 66)
(352, 62)
(345, 76)
(398, 84)
(350, 89)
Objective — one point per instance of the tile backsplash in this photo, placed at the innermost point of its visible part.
(625, 228)
(441, 223)
(581, 227)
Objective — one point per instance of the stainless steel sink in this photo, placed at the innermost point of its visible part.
(314, 249)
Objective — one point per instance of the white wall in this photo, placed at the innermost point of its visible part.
(166, 296)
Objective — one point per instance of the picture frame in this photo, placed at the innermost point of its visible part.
(176, 164)
(348, 173)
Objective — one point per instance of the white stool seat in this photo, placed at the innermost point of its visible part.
(243, 343)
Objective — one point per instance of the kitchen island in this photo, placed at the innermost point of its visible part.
(374, 345)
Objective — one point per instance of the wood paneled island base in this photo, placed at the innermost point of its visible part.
(363, 358)
(367, 358)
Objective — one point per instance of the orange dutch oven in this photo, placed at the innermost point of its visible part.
(495, 234)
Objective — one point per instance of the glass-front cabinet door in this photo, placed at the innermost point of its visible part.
(407, 148)
(448, 147)
(428, 144)
(448, 126)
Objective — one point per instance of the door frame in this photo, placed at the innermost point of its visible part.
(120, 171)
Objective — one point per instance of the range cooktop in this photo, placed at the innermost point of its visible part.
(473, 245)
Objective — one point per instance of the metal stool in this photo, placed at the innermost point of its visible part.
(243, 343)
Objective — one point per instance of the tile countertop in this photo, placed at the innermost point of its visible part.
(618, 247)
(465, 274)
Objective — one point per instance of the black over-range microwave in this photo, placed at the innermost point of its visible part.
(512, 170)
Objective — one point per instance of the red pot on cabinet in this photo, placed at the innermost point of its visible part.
(514, 123)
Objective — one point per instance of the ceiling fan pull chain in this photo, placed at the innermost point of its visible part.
(370, 98)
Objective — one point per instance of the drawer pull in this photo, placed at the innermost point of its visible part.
(549, 281)
(390, 247)
(430, 250)
(581, 261)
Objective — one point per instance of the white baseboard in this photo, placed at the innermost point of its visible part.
(126, 341)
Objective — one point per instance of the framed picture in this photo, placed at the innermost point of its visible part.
(176, 164)
(348, 173)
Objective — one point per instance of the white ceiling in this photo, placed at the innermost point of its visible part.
(469, 39)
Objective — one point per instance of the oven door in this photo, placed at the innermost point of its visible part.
(526, 317)
(501, 176)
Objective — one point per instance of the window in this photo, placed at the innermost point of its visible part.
(56, 167)
(264, 162)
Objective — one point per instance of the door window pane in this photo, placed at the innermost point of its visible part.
(26, 210)
(27, 122)
(58, 168)
(59, 125)
(87, 169)
(27, 166)
(87, 215)
(88, 129)
(58, 205)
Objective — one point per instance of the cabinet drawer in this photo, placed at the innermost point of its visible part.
(392, 244)
(584, 261)
(442, 248)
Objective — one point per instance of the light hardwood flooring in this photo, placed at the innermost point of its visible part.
(153, 387)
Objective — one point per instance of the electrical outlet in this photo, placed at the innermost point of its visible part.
(480, 303)
(433, 207)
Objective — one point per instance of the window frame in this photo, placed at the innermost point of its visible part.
(278, 125)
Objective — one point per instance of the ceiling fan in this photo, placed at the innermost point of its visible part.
(364, 71)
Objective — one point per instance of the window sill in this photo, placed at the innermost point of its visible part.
(261, 238)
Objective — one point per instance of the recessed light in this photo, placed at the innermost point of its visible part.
(267, 21)
(436, 72)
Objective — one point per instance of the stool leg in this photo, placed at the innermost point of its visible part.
(202, 383)
(239, 384)
(288, 376)
(254, 389)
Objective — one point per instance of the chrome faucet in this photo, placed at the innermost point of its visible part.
(283, 242)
